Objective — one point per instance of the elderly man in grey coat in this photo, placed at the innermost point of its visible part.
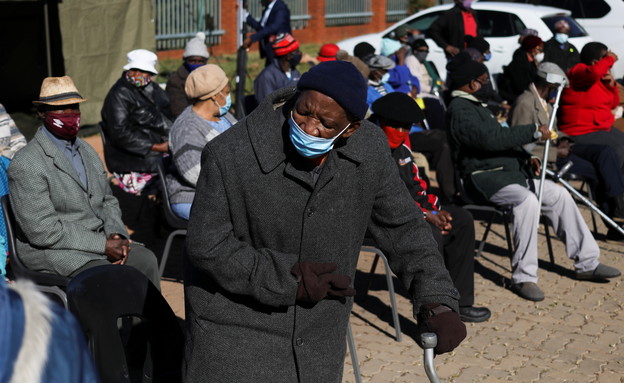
(283, 202)
(68, 218)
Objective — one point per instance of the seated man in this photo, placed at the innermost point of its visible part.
(452, 226)
(136, 120)
(195, 55)
(282, 70)
(208, 117)
(599, 163)
(68, 218)
(496, 168)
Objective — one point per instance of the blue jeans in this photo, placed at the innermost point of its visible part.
(182, 210)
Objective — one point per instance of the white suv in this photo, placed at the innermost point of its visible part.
(499, 23)
(602, 19)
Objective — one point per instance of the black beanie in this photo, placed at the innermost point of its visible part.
(362, 50)
(341, 81)
(478, 43)
(398, 107)
(462, 69)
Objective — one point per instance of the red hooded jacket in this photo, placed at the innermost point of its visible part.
(586, 105)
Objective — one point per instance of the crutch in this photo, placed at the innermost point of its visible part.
(429, 341)
(553, 79)
(557, 177)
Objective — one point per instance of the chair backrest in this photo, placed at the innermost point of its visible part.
(100, 126)
(17, 266)
(99, 296)
(172, 219)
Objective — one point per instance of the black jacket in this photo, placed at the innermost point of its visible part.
(448, 29)
(133, 120)
(517, 76)
(565, 57)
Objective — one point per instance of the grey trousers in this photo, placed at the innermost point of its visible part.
(140, 257)
(561, 210)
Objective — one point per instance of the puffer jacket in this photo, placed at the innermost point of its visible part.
(134, 119)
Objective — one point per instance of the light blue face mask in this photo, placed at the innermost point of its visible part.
(225, 108)
(309, 146)
(385, 78)
(561, 38)
(487, 56)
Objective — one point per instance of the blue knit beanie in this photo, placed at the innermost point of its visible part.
(341, 81)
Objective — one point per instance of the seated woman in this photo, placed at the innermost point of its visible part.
(199, 123)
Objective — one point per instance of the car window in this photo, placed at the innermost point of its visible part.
(424, 22)
(499, 24)
(575, 29)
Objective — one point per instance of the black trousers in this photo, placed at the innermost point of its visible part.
(434, 145)
(457, 248)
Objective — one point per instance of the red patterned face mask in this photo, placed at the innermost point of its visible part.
(395, 136)
(64, 125)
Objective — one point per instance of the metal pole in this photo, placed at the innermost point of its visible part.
(241, 65)
(46, 25)
(551, 125)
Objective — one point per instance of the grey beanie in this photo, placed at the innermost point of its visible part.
(196, 46)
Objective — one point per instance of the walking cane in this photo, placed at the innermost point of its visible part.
(553, 79)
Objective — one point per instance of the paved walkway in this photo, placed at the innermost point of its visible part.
(575, 335)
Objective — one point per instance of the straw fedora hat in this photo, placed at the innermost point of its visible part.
(59, 91)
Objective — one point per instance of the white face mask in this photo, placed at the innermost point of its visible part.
(539, 57)
(561, 38)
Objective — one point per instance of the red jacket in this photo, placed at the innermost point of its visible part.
(586, 105)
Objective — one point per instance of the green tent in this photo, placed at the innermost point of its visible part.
(85, 39)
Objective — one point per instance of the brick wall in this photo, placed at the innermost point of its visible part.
(315, 32)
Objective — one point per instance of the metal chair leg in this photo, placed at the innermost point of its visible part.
(55, 290)
(353, 353)
(488, 227)
(163, 261)
(590, 196)
(393, 305)
(551, 254)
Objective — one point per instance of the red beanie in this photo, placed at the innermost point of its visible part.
(531, 42)
(284, 44)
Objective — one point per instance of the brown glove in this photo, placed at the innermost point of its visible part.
(440, 319)
(316, 281)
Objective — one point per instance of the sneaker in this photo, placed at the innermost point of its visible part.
(528, 290)
(474, 314)
(601, 272)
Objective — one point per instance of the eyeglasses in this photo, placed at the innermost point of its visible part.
(483, 82)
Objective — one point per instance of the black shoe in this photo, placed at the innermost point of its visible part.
(474, 314)
(618, 208)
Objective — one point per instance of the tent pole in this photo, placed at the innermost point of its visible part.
(46, 22)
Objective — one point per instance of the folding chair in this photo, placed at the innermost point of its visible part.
(370, 246)
(178, 224)
(46, 282)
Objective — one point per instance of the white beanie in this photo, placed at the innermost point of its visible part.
(196, 46)
(142, 59)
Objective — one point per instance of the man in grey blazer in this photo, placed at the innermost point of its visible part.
(68, 218)
(283, 201)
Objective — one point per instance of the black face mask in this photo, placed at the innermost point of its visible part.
(295, 59)
(421, 56)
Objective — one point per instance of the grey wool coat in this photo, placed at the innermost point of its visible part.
(256, 213)
(64, 224)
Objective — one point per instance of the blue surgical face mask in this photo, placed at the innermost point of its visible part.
(225, 108)
(488, 56)
(385, 78)
(561, 38)
(309, 146)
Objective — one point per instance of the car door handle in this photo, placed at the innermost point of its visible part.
(499, 49)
